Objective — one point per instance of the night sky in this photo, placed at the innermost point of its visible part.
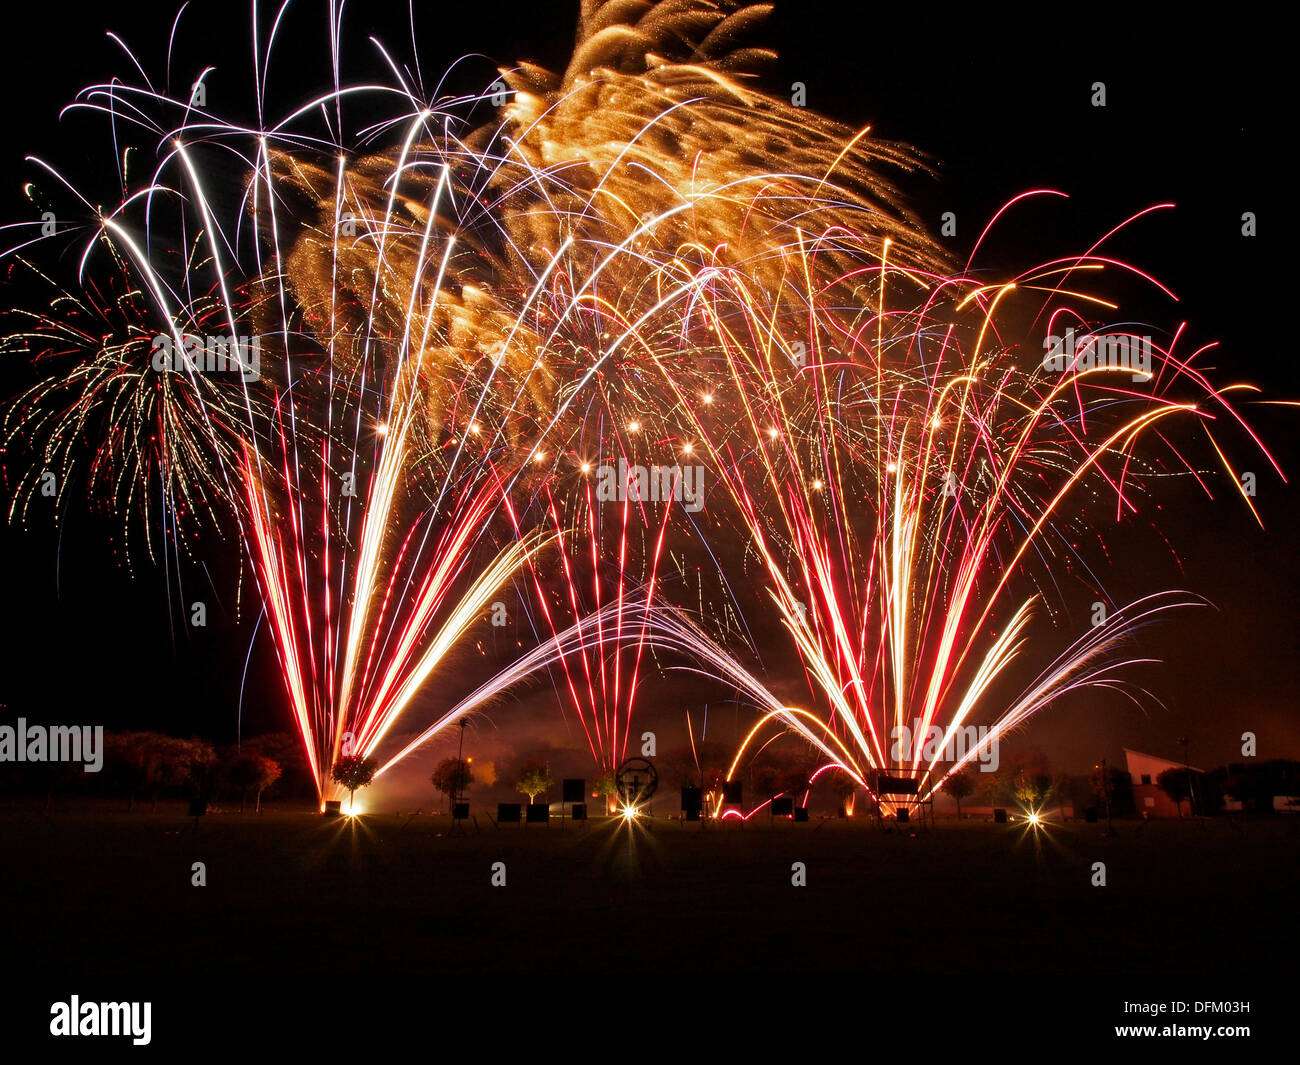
(1002, 107)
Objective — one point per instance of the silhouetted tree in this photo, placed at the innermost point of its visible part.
(1257, 784)
(251, 771)
(151, 762)
(129, 761)
(767, 781)
(1015, 774)
(1032, 789)
(1114, 786)
(1177, 785)
(353, 772)
(287, 752)
(606, 787)
(452, 776)
(694, 767)
(796, 777)
(959, 785)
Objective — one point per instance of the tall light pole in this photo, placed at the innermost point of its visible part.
(1105, 794)
(460, 762)
(1187, 770)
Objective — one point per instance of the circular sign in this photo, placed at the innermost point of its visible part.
(636, 781)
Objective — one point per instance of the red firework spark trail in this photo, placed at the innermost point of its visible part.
(598, 690)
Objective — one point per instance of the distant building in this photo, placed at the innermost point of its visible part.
(1148, 797)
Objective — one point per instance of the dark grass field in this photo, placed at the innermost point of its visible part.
(393, 904)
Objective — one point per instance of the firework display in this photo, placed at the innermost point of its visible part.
(633, 512)
(656, 351)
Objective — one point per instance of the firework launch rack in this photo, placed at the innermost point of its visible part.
(902, 788)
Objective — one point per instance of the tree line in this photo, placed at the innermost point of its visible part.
(152, 766)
